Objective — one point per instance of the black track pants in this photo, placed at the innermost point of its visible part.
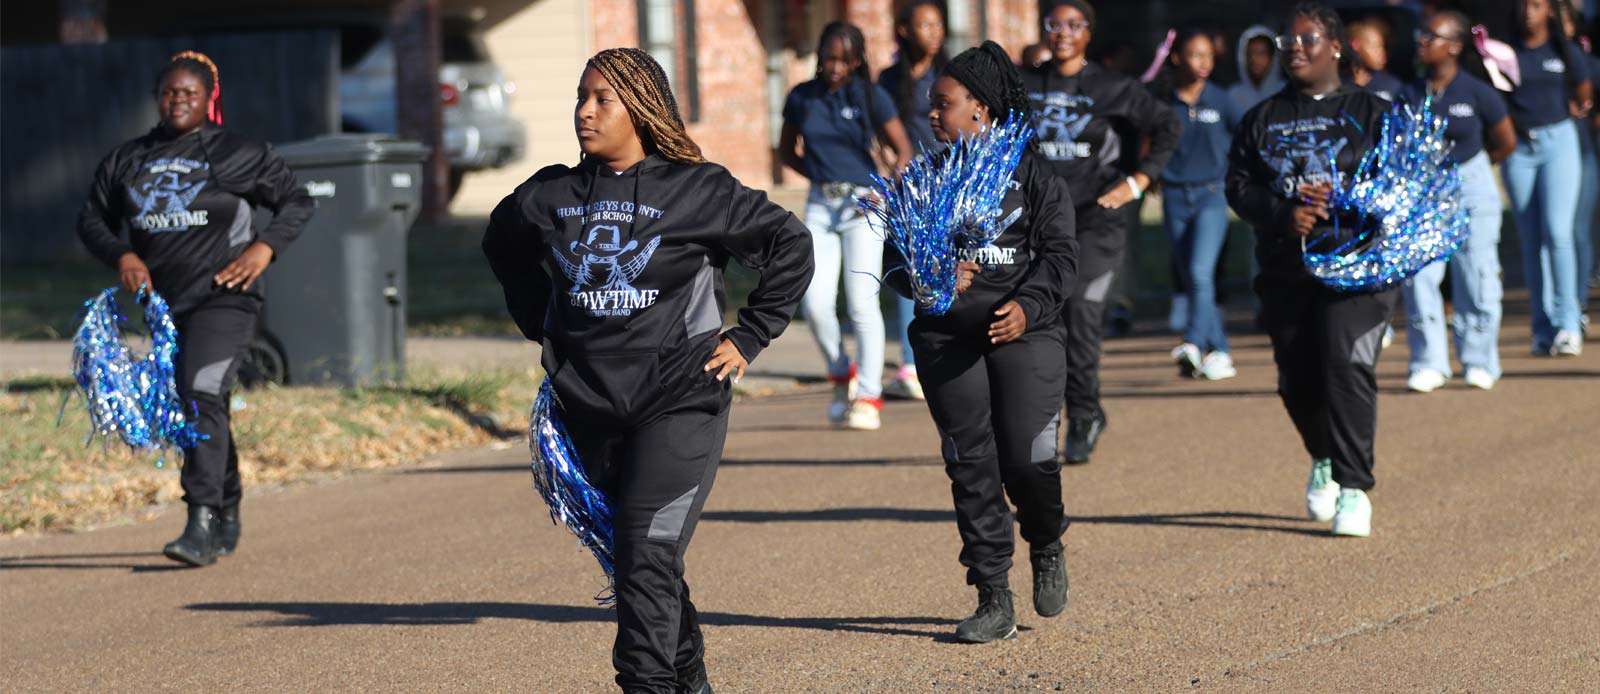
(656, 476)
(211, 342)
(1326, 345)
(996, 408)
(1101, 241)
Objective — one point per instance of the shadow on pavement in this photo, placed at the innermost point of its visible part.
(1214, 519)
(316, 614)
(906, 515)
(754, 462)
(1548, 374)
(524, 468)
(75, 561)
(1113, 393)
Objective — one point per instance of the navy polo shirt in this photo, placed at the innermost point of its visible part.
(1542, 97)
(915, 118)
(1470, 104)
(838, 138)
(1385, 86)
(1208, 126)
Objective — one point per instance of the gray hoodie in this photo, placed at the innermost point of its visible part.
(1247, 94)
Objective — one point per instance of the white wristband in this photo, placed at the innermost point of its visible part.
(1133, 185)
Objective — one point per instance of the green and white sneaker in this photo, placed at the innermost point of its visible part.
(1354, 516)
(1322, 493)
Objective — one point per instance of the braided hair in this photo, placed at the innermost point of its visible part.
(197, 64)
(905, 47)
(642, 87)
(849, 36)
(989, 75)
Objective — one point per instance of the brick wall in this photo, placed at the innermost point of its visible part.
(615, 22)
(875, 18)
(733, 130)
(1013, 24)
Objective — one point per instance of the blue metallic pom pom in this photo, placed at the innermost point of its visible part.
(947, 203)
(1407, 198)
(132, 397)
(559, 478)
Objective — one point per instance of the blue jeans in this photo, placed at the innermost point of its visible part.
(1196, 218)
(1543, 178)
(1583, 227)
(1474, 283)
(845, 248)
(905, 310)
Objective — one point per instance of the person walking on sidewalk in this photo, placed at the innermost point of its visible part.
(993, 364)
(919, 56)
(1079, 109)
(616, 267)
(840, 117)
(171, 210)
(1325, 341)
(1543, 176)
(1480, 135)
(1193, 206)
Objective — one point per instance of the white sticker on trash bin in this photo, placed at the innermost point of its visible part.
(400, 180)
(321, 189)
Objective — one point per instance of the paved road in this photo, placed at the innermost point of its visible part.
(826, 562)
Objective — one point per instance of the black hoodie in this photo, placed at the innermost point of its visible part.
(1285, 141)
(1034, 261)
(183, 205)
(1078, 117)
(619, 275)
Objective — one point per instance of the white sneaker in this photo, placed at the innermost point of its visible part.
(1187, 357)
(905, 386)
(1567, 344)
(1217, 366)
(1354, 515)
(1426, 381)
(1480, 378)
(1322, 493)
(839, 405)
(1388, 335)
(863, 415)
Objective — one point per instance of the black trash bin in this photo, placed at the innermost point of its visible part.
(336, 300)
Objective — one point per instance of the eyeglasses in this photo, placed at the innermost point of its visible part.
(1074, 27)
(1424, 36)
(1286, 42)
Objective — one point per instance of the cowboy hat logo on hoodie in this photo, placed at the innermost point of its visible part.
(602, 249)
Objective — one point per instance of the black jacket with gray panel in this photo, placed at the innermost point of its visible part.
(185, 204)
(620, 277)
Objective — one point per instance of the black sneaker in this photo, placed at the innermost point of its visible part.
(692, 679)
(995, 620)
(1082, 435)
(1049, 582)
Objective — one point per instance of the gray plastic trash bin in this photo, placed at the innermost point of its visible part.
(336, 300)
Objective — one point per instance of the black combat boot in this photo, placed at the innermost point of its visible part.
(197, 546)
(1049, 581)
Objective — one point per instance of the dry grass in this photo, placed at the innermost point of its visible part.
(49, 480)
